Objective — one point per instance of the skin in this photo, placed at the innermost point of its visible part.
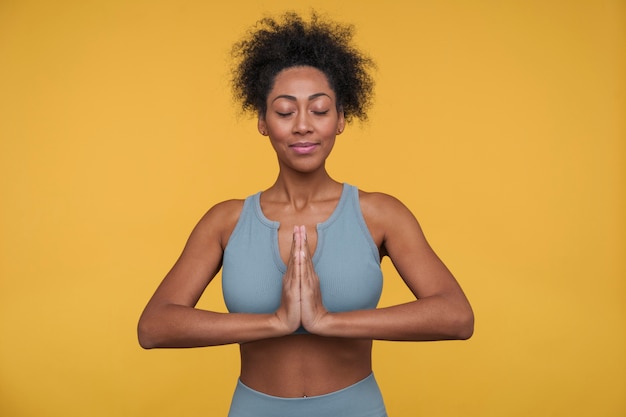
(301, 122)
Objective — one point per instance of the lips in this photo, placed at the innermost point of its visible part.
(304, 148)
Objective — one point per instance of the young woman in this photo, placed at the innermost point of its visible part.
(301, 260)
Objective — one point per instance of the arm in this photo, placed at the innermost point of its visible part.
(440, 311)
(171, 320)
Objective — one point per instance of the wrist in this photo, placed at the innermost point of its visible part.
(279, 327)
(323, 326)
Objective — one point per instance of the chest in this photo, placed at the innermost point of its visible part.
(288, 219)
(344, 256)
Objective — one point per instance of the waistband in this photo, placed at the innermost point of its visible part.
(362, 399)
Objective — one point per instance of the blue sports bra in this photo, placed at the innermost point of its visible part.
(346, 260)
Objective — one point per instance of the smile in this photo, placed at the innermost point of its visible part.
(303, 148)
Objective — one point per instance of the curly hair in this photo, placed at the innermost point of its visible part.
(276, 44)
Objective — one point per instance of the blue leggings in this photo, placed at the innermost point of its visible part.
(362, 399)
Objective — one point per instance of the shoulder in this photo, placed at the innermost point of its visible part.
(386, 216)
(220, 220)
(226, 209)
(377, 204)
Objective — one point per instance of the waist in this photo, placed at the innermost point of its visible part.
(299, 365)
(362, 399)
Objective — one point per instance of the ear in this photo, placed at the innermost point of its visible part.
(262, 126)
(341, 122)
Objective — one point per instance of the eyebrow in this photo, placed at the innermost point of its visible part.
(292, 98)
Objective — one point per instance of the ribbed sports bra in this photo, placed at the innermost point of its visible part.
(346, 260)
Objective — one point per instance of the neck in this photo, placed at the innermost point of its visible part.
(299, 189)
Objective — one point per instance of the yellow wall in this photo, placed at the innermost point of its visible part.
(499, 123)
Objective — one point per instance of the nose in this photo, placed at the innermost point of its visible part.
(302, 123)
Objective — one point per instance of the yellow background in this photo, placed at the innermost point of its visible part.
(499, 123)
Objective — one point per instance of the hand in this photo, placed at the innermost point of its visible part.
(312, 307)
(289, 311)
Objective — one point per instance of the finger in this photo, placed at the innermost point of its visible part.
(294, 243)
(302, 234)
(300, 244)
(297, 254)
(308, 259)
(304, 244)
(293, 252)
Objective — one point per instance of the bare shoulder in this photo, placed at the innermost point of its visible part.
(220, 220)
(386, 216)
(381, 206)
(228, 209)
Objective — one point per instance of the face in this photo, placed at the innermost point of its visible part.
(302, 119)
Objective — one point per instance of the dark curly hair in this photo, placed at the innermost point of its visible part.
(276, 44)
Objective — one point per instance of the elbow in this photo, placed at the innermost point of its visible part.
(144, 341)
(146, 333)
(464, 324)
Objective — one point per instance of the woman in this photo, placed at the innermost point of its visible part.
(301, 260)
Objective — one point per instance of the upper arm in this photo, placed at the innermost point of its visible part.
(401, 238)
(201, 258)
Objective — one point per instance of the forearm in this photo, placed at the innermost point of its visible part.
(431, 318)
(176, 326)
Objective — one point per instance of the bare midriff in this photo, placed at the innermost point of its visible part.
(304, 365)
